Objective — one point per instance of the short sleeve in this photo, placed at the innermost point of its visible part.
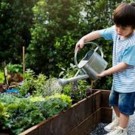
(129, 55)
(107, 33)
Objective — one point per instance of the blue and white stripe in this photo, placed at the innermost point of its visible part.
(123, 51)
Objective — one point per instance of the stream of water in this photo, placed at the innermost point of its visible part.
(51, 87)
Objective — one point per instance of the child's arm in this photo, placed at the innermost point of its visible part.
(89, 37)
(120, 67)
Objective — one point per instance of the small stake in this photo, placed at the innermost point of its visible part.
(23, 60)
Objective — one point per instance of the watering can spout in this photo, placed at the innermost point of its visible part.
(63, 82)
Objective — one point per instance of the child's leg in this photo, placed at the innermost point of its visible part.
(126, 107)
(113, 101)
(116, 110)
(123, 120)
(119, 125)
(111, 126)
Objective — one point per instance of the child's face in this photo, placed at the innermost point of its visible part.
(124, 31)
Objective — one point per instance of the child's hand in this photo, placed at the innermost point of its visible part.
(79, 45)
(102, 74)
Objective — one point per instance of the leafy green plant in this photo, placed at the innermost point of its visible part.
(14, 68)
(28, 85)
(18, 114)
(33, 84)
(21, 114)
(76, 90)
(54, 104)
(39, 85)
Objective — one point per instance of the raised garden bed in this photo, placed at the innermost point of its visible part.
(80, 119)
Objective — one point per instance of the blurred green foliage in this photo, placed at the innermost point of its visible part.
(15, 21)
(1, 76)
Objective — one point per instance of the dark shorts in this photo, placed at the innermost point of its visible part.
(124, 101)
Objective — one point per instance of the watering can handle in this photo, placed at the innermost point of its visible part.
(98, 47)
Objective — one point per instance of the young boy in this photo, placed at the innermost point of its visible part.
(122, 96)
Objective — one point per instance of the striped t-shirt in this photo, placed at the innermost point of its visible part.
(123, 51)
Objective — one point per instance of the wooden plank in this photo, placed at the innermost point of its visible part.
(106, 114)
(86, 126)
(105, 98)
(101, 115)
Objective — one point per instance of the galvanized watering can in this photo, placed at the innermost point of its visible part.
(91, 65)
